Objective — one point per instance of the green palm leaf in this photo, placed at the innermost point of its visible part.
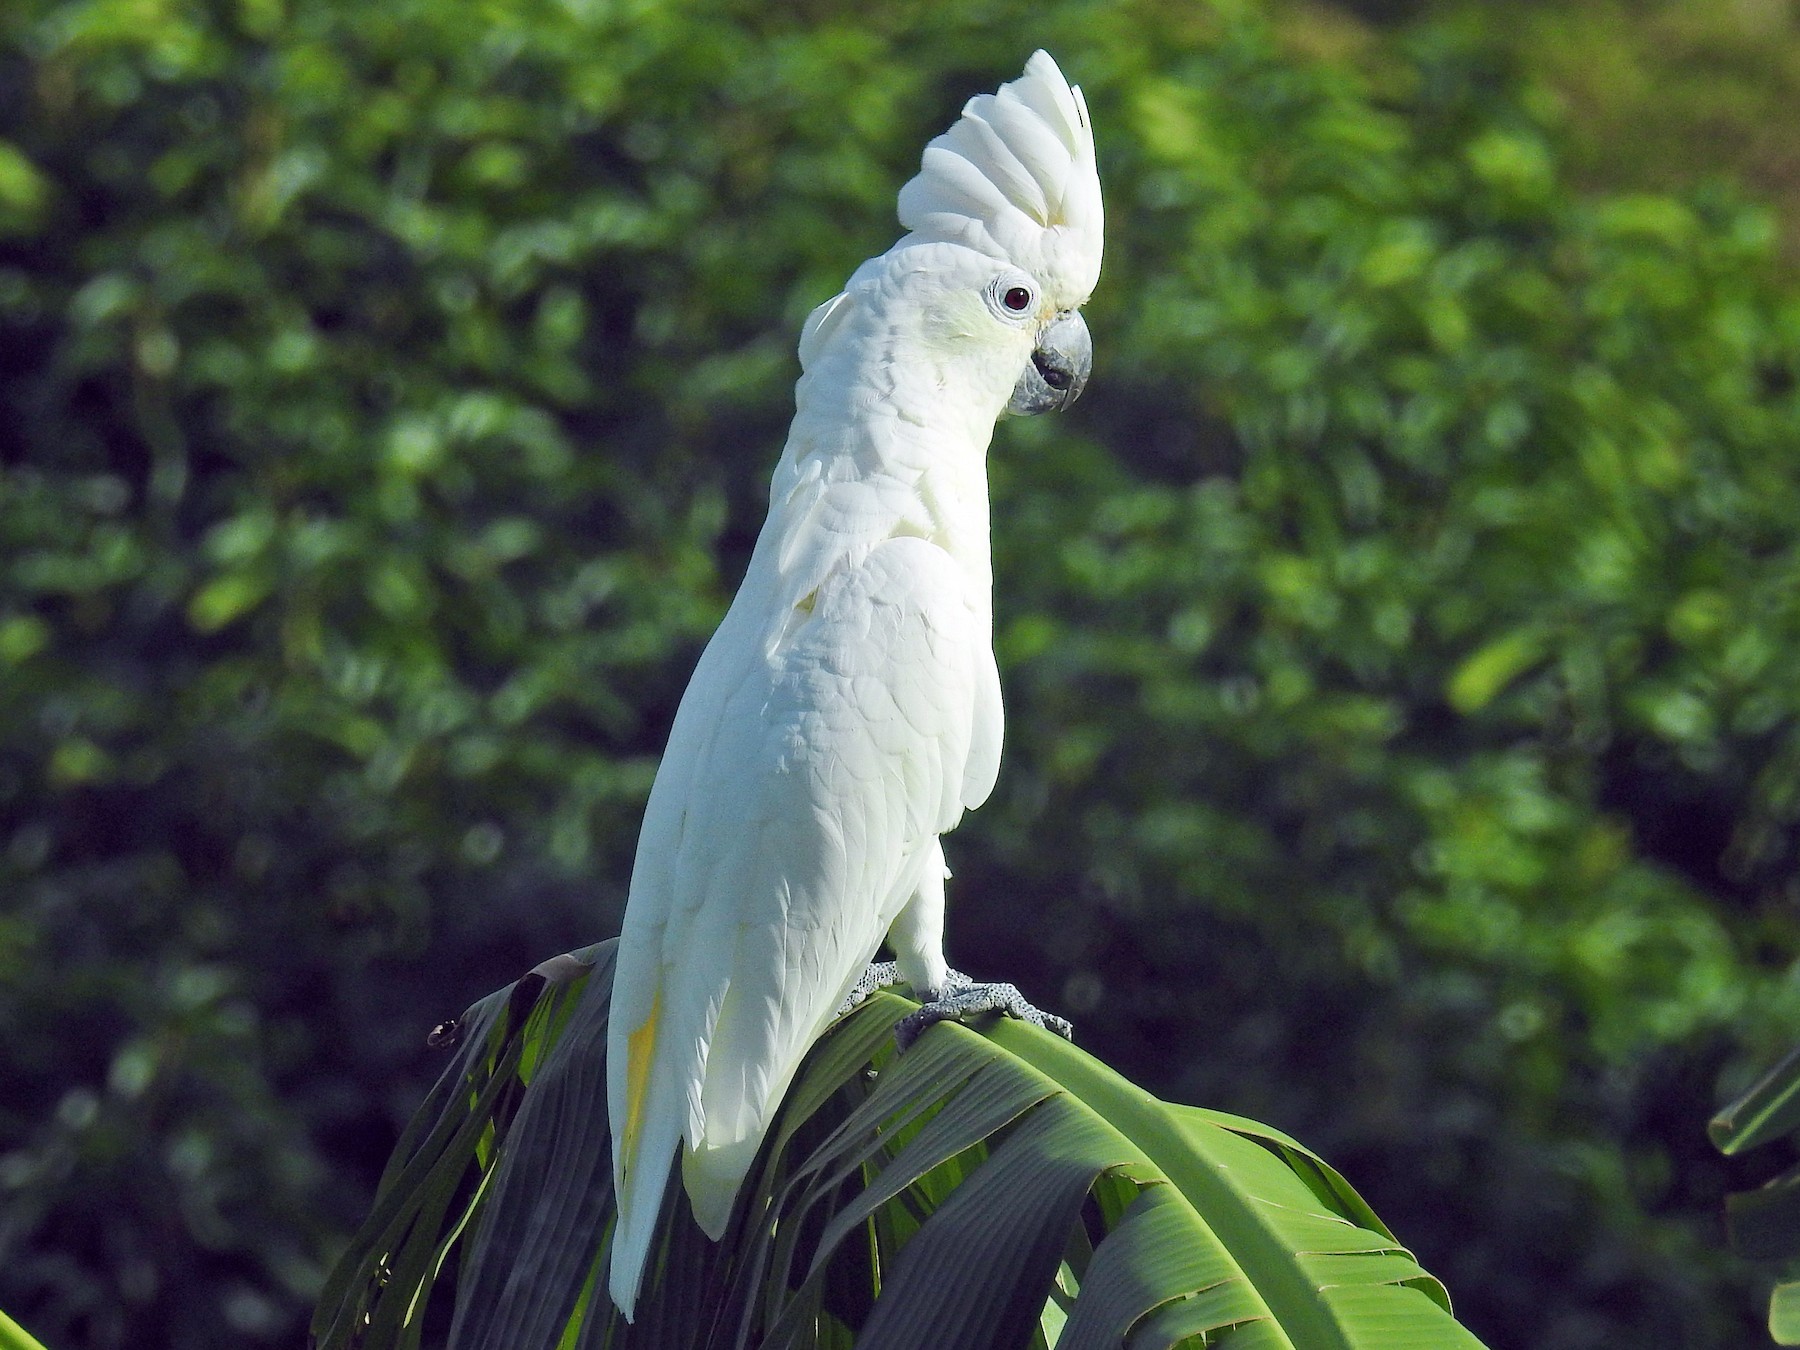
(994, 1188)
(15, 1337)
(1764, 1224)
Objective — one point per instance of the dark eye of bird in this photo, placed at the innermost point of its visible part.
(1018, 299)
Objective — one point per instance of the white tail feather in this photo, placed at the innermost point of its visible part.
(639, 1202)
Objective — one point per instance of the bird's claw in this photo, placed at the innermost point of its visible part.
(962, 998)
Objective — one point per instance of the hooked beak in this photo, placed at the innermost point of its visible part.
(1058, 370)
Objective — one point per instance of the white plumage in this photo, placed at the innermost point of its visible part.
(848, 710)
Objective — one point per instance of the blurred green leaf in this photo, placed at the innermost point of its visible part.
(24, 192)
(1765, 1223)
(1490, 669)
(1784, 1314)
(1767, 1110)
(226, 598)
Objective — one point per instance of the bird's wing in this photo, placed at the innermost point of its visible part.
(982, 769)
(798, 801)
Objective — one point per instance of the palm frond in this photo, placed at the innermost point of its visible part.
(996, 1187)
(15, 1337)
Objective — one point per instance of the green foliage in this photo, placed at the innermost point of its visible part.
(1657, 93)
(1399, 639)
(1005, 1190)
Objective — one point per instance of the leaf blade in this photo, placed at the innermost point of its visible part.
(1767, 1110)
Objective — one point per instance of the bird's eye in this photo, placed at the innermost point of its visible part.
(1017, 299)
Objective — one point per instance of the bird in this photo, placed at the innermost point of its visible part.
(847, 710)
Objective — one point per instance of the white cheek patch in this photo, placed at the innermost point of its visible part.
(962, 315)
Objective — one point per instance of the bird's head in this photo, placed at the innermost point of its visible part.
(1014, 181)
(1004, 245)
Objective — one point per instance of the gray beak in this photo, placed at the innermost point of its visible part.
(1059, 368)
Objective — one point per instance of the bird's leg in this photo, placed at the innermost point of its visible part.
(876, 975)
(917, 937)
(962, 998)
(917, 932)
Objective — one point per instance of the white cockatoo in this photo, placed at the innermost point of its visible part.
(847, 711)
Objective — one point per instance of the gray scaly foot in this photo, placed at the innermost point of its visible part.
(962, 998)
(878, 975)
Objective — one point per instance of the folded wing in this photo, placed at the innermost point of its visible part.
(797, 805)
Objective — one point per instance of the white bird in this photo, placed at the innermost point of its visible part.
(847, 711)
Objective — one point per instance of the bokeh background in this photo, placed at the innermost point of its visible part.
(1401, 639)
